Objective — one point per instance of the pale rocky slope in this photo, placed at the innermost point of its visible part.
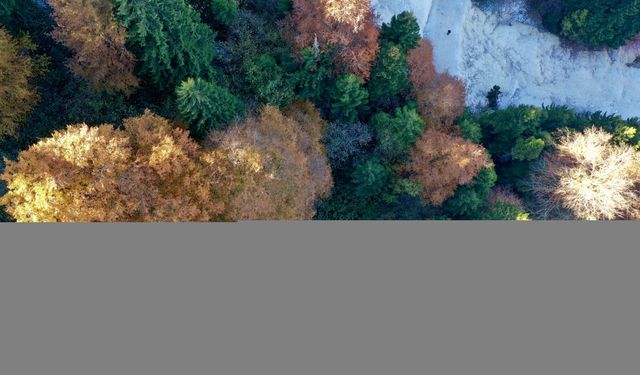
(529, 64)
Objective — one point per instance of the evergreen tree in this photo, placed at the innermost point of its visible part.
(596, 23)
(371, 178)
(224, 11)
(390, 74)
(469, 128)
(399, 132)
(7, 10)
(268, 81)
(493, 96)
(527, 149)
(348, 97)
(403, 30)
(504, 129)
(207, 106)
(471, 199)
(315, 74)
(169, 40)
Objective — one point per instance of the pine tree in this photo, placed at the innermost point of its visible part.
(371, 178)
(207, 106)
(315, 74)
(169, 40)
(348, 97)
(390, 74)
(224, 11)
(471, 199)
(403, 30)
(395, 134)
(7, 9)
(596, 23)
(268, 81)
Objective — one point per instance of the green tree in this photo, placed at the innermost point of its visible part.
(7, 10)
(395, 134)
(315, 74)
(527, 149)
(224, 11)
(504, 211)
(348, 97)
(403, 30)
(390, 74)
(207, 106)
(503, 129)
(269, 81)
(595, 23)
(469, 127)
(493, 97)
(371, 178)
(169, 40)
(471, 199)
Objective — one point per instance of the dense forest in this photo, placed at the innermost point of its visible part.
(224, 110)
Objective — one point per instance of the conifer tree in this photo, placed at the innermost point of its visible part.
(169, 40)
(390, 74)
(207, 106)
(403, 30)
(397, 133)
(348, 97)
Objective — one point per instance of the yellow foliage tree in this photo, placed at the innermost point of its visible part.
(89, 29)
(17, 95)
(280, 162)
(146, 172)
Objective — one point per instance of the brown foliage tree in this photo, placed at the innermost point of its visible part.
(442, 162)
(440, 97)
(589, 177)
(348, 25)
(89, 29)
(280, 161)
(420, 60)
(17, 95)
(146, 172)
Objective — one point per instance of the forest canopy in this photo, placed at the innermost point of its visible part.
(224, 110)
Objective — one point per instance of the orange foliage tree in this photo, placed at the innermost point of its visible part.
(441, 163)
(348, 25)
(440, 97)
(89, 29)
(146, 172)
(280, 161)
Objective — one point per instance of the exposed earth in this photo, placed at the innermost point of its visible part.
(501, 46)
